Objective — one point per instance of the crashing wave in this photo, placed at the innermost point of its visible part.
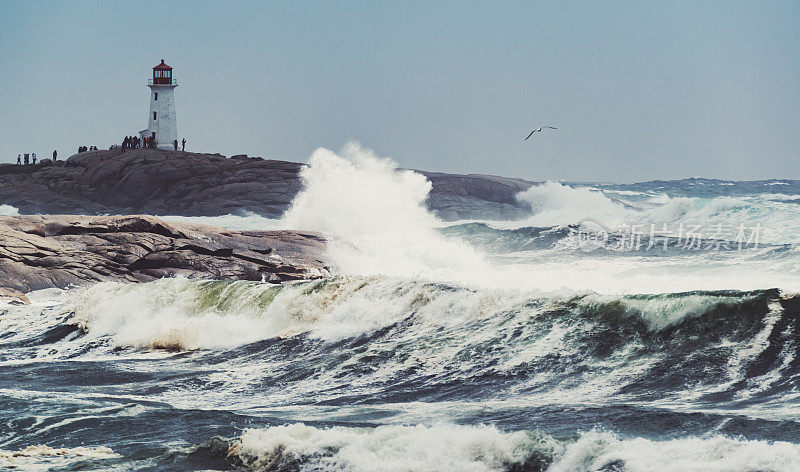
(485, 449)
(8, 210)
(39, 457)
(390, 448)
(180, 313)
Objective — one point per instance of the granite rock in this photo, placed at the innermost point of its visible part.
(38, 252)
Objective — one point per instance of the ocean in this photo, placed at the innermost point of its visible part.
(641, 327)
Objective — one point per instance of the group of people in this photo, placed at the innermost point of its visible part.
(26, 159)
(130, 142)
(30, 158)
(134, 142)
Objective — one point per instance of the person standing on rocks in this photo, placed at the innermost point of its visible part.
(183, 144)
(55, 155)
(34, 158)
(19, 159)
(175, 143)
(27, 158)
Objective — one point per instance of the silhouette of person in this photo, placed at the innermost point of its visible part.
(183, 144)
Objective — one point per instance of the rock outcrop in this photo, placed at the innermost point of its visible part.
(39, 252)
(476, 196)
(159, 182)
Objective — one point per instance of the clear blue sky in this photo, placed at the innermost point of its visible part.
(639, 90)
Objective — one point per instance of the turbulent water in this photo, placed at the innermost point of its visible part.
(641, 327)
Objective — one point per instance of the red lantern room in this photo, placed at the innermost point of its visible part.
(162, 74)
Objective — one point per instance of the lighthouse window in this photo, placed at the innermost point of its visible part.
(154, 115)
(156, 95)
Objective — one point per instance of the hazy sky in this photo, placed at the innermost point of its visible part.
(638, 90)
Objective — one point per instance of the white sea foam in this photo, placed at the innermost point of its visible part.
(628, 193)
(597, 449)
(376, 217)
(484, 448)
(557, 204)
(184, 314)
(779, 197)
(246, 221)
(389, 448)
(775, 215)
(35, 458)
(8, 210)
(188, 314)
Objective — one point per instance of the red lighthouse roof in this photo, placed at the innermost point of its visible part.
(162, 66)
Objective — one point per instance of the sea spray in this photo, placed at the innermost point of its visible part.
(391, 448)
(376, 218)
(485, 448)
(604, 451)
(555, 204)
(180, 313)
(8, 210)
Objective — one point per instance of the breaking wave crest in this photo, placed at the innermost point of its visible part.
(182, 313)
(382, 337)
(8, 210)
(555, 204)
(376, 218)
(34, 458)
(418, 448)
(485, 448)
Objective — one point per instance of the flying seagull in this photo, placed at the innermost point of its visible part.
(539, 129)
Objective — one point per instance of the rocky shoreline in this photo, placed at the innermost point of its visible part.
(62, 251)
(49, 248)
(156, 182)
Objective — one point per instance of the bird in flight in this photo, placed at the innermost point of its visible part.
(538, 129)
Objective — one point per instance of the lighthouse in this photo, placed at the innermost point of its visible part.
(161, 120)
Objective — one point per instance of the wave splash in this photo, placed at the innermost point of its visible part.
(376, 217)
(485, 448)
(419, 448)
(43, 458)
(556, 204)
(181, 313)
(8, 210)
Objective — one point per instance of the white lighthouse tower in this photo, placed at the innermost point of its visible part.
(161, 121)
